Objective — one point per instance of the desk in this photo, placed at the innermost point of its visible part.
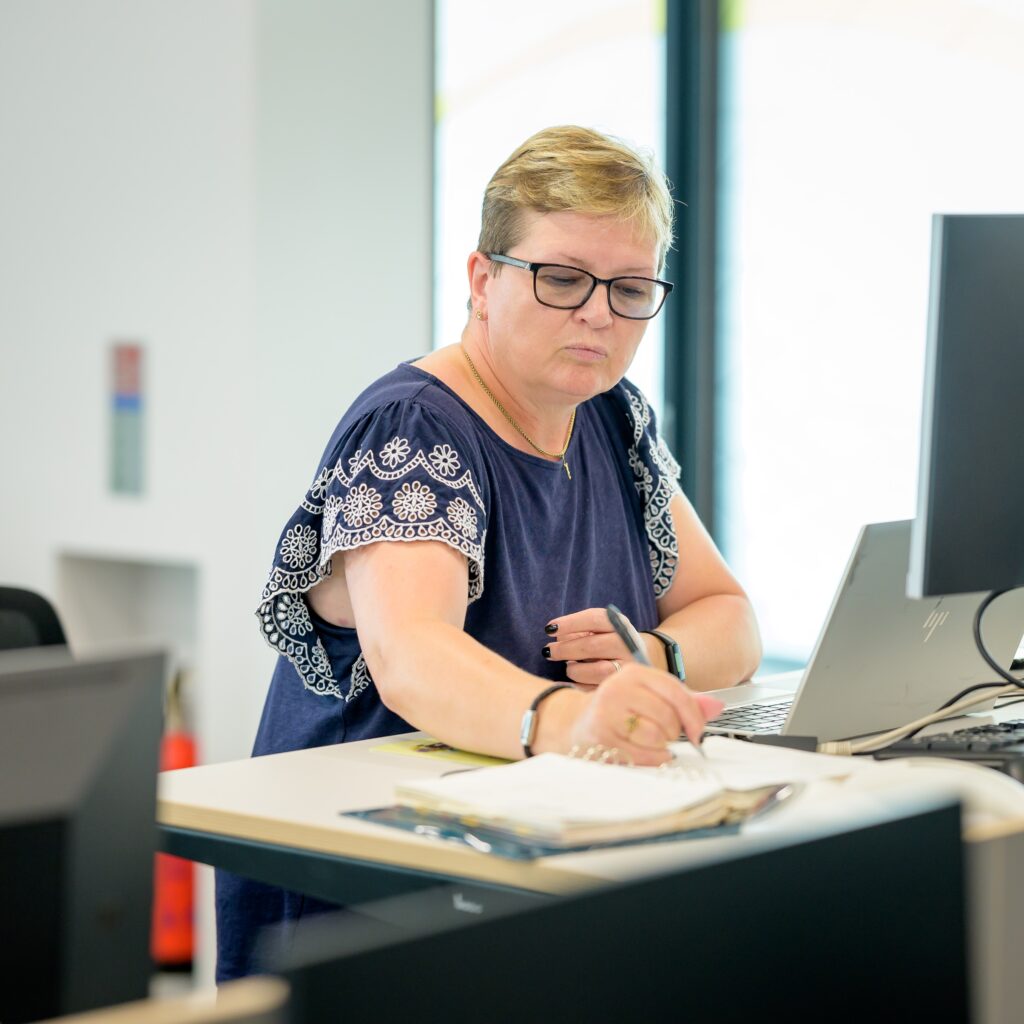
(277, 819)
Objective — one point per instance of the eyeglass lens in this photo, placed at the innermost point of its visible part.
(566, 288)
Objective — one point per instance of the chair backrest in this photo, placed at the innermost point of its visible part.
(27, 619)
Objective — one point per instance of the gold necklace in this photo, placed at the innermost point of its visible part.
(529, 440)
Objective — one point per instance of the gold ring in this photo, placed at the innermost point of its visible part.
(616, 665)
(632, 721)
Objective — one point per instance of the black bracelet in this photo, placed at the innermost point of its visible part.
(528, 728)
(673, 656)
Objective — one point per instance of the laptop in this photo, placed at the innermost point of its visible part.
(882, 659)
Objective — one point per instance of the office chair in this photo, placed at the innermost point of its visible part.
(27, 620)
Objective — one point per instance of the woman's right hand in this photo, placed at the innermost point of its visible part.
(639, 711)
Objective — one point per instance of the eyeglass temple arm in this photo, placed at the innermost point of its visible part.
(511, 260)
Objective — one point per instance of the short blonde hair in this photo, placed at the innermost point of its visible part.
(577, 169)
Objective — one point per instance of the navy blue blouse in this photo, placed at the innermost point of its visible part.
(411, 461)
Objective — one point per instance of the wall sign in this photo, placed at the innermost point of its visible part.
(126, 410)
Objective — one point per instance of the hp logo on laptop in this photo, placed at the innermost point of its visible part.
(933, 622)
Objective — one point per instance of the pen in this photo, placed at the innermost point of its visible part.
(635, 646)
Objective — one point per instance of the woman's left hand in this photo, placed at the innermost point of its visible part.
(591, 649)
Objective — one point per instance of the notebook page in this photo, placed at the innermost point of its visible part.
(553, 788)
(742, 765)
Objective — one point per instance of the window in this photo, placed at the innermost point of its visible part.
(504, 73)
(843, 127)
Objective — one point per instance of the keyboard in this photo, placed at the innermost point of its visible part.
(999, 745)
(757, 718)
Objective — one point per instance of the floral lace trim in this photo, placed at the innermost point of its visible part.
(656, 493)
(288, 628)
(387, 529)
(360, 679)
(415, 512)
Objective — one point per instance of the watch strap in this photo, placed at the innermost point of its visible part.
(673, 655)
(528, 727)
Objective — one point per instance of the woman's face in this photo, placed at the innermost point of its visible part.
(564, 355)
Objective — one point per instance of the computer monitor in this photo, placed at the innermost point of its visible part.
(859, 921)
(968, 535)
(79, 743)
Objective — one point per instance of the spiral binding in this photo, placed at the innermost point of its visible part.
(601, 754)
(688, 771)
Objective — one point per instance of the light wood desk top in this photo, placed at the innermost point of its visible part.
(296, 799)
(292, 803)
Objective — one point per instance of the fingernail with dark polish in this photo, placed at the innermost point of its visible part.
(551, 627)
(545, 652)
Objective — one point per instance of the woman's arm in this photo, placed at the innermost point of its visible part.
(409, 605)
(705, 611)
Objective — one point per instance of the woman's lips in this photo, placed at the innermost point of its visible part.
(587, 353)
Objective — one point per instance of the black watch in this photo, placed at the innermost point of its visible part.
(673, 656)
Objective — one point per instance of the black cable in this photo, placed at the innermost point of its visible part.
(970, 689)
(982, 649)
(952, 700)
(989, 660)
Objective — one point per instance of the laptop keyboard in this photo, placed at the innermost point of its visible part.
(767, 718)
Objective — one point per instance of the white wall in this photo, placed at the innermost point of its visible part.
(245, 188)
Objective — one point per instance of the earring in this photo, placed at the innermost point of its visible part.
(480, 315)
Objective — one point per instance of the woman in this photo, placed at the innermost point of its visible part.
(476, 510)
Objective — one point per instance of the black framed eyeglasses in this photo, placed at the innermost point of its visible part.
(560, 287)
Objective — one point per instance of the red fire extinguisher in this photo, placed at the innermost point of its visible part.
(172, 938)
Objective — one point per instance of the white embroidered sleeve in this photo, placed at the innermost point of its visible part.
(656, 478)
(405, 490)
(396, 477)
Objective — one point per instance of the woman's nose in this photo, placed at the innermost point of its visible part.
(596, 311)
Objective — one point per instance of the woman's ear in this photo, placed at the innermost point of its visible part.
(479, 270)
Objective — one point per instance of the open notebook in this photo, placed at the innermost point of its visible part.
(564, 802)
